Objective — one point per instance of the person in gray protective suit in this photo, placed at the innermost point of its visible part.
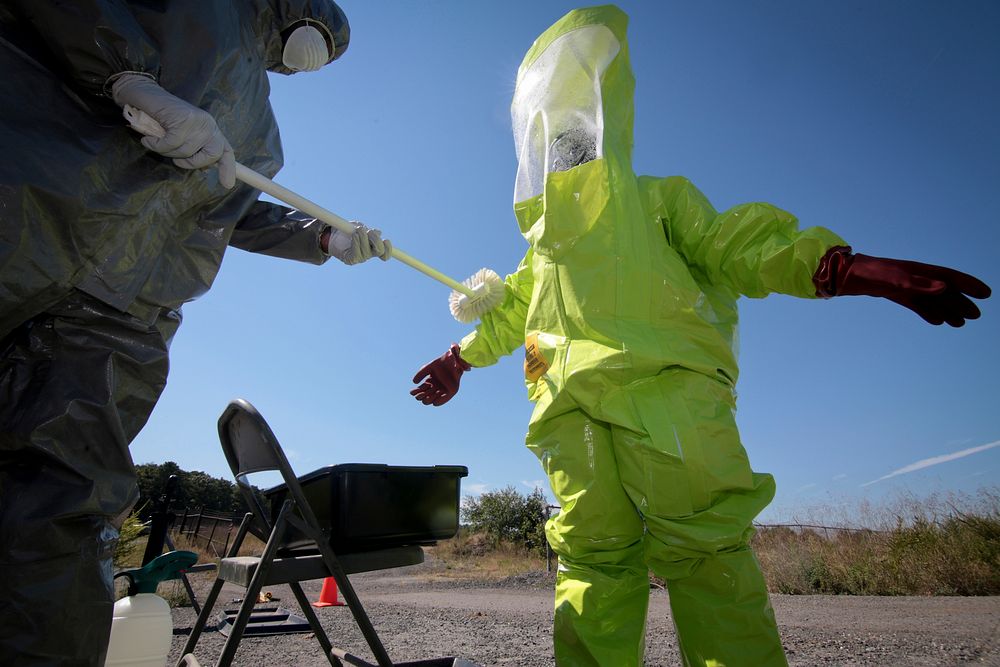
(102, 238)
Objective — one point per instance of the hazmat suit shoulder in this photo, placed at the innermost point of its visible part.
(86, 43)
(753, 249)
(501, 331)
(82, 204)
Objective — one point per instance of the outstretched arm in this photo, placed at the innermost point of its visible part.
(757, 249)
(499, 333)
(754, 249)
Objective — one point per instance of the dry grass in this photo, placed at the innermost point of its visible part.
(935, 545)
(474, 556)
(930, 546)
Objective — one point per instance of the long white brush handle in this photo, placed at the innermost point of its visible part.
(143, 123)
(295, 200)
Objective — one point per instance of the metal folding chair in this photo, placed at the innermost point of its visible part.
(251, 447)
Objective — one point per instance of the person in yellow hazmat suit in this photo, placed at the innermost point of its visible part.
(626, 305)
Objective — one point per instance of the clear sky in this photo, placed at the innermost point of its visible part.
(878, 120)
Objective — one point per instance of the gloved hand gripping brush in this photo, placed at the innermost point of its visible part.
(470, 299)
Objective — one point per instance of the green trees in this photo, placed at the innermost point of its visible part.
(194, 489)
(507, 515)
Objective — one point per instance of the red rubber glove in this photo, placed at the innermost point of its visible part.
(935, 293)
(440, 378)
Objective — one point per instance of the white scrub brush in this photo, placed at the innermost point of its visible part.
(479, 294)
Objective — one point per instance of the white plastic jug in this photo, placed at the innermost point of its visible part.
(141, 628)
(141, 631)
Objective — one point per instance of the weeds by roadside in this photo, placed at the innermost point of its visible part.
(928, 546)
(478, 556)
(913, 546)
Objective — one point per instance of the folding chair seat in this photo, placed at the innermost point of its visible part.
(240, 569)
(251, 447)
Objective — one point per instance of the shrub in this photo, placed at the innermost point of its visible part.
(128, 542)
(508, 516)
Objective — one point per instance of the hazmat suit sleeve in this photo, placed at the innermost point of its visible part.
(754, 249)
(501, 330)
(90, 41)
(279, 231)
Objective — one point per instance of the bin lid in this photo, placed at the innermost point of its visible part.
(330, 470)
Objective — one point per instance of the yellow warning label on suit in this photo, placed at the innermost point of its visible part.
(534, 363)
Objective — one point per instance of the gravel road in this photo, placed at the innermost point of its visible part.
(508, 622)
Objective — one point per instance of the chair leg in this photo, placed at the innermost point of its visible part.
(190, 594)
(199, 624)
(314, 623)
(239, 625)
(357, 609)
(206, 611)
(184, 579)
(254, 587)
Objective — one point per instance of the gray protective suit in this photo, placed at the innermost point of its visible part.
(100, 244)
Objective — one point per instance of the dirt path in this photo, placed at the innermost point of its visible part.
(509, 623)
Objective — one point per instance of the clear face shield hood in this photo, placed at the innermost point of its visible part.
(558, 111)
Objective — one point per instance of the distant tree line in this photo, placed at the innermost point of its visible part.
(194, 489)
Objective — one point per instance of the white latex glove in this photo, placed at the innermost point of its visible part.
(192, 138)
(305, 50)
(360, 246)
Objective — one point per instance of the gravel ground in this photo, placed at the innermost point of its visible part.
(508, 622)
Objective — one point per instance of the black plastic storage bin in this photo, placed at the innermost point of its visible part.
(367, 506)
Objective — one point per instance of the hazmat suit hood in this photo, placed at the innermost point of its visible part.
(573, 103)
(279, 18)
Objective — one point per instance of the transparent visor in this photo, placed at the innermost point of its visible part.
(557, 112)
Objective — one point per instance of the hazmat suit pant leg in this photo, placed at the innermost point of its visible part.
(690, 477)
(602, 584)
(77, 383)
(723, 615)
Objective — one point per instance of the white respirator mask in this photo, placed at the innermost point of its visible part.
(305, 50)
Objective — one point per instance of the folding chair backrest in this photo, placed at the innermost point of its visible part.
(250, 447)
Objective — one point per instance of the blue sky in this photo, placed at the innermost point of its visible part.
(876, 120)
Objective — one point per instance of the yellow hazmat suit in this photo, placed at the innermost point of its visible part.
(626, 304)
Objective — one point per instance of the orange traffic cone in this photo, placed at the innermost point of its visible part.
(328, 596)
